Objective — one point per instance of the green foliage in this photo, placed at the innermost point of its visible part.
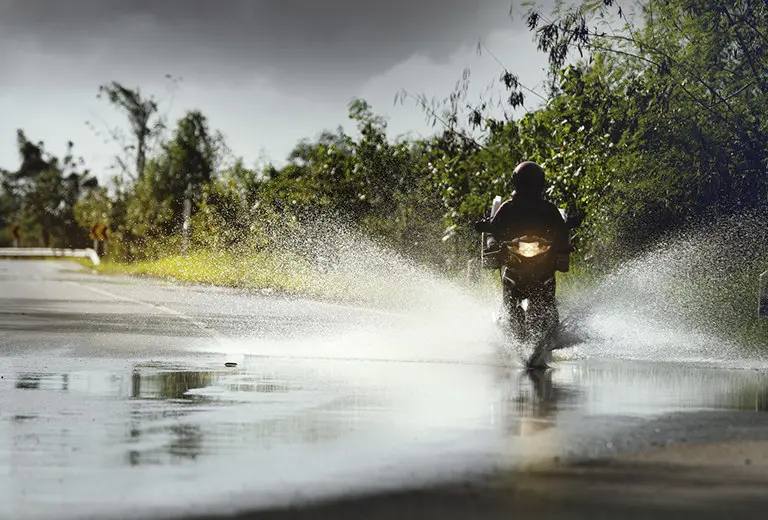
(661, 126)
(150, 211)
(275, 271)
(95, 207)
(42, 193)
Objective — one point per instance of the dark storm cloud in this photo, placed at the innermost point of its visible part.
(331, 41)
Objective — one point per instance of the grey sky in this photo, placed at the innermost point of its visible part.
(266, 72)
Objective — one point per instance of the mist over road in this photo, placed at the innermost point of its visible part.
(115, 401)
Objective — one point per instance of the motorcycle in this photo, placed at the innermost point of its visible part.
(528, 265)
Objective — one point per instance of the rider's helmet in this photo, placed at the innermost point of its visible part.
(528, 179)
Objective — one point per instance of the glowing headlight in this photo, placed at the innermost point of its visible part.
(529, 249)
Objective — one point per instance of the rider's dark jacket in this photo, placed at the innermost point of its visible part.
(529, 216)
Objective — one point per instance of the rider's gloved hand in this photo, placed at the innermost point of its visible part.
(491, 244)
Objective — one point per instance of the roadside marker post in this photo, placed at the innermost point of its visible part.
(92, 236)
(762, 310)
(16, 234)
(103, 234)
(186, 225)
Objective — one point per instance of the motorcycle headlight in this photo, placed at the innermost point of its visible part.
(529, 249)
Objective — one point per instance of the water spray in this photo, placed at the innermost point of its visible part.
(691, 298)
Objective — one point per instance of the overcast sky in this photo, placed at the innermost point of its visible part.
(265, 72)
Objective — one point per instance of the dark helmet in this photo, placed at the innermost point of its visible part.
(528, 179)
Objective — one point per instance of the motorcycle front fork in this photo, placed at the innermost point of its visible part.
(540, 316)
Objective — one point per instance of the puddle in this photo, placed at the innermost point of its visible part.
(35, 381)
(90, 429)
(191, 385)
(657, 388)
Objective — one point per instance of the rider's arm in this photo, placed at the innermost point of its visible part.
(501, 218)
(558, 226)
(497, 224)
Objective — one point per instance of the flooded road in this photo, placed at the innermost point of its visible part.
(115, 400)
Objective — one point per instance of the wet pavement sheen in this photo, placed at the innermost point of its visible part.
(124, 437)
(167, 428)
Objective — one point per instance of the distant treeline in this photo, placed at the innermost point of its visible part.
(648, 127)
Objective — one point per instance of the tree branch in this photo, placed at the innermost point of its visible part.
(744, 49)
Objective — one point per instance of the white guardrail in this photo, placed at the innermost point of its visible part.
(762, 309)
(43, 252)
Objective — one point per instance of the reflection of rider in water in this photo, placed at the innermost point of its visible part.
(527, 213)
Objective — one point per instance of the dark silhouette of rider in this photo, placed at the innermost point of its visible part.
(527, 213)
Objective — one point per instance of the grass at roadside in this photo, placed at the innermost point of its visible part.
(283, 273)
(274, 272)
(270, 271)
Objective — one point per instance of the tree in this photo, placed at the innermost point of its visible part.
(44, 191)
(94, 208)
(187, 163)
(700, 68)
(144, 123)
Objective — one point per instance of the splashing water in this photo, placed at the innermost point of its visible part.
(683, 301)
(663, 305)
(417, 312)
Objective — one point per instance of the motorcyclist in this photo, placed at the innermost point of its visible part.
(528, 213)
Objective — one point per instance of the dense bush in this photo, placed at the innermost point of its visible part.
(650, 130)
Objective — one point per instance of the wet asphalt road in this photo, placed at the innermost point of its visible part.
(115, 401)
